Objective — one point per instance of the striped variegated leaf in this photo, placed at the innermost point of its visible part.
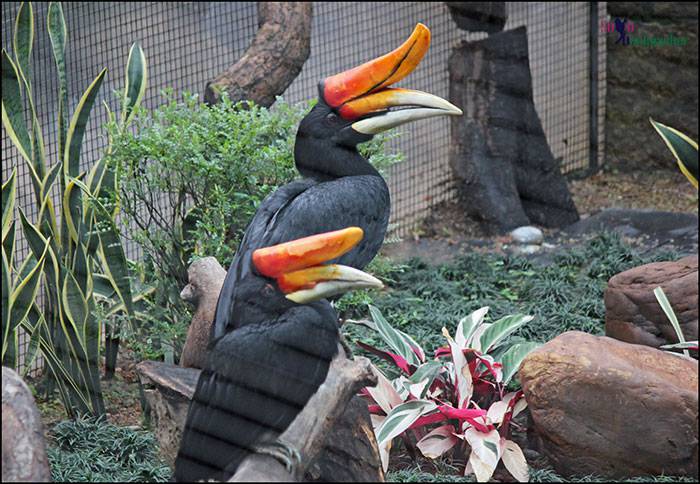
(398, 341)
(136, 81)
(384, 393)
(501, 329)
(8, 203)
(423, 378)
(514, 460)
(468, 325)
(437, 442)
(401, 417)
(513, 357)
(684, 149)
(23, 38)
(485, 454)
(13, 108)
(56, 26)
(461, 376)
(77, 126)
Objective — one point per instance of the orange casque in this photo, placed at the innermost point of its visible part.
(306, 252)
(379, 73)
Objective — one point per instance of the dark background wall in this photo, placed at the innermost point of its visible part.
(644, 81)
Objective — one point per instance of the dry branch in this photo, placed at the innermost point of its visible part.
(274, 58)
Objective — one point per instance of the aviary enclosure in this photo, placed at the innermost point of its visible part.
(396, 241)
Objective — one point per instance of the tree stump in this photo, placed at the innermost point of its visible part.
(507, 174)
(23, 446)
(479, 16)
(274, 58)
(206, 277)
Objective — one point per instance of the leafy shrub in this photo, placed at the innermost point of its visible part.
(462, 389)
(92, 450)
(192, 176)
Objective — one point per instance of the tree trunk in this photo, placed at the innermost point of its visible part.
(507, 174)
(274, 58)
(479, 16)
(111, 351)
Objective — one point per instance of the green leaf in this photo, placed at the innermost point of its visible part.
(668, 310)
(77, 126)
(425, 374)
(13, 108)
(401, 418)
(684, 149)
(58, 34)
(513, 357)
(8, 203)
(136, 80)
(501, 329)
(23, 39)
(6, 288)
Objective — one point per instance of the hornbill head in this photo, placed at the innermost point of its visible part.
(358, 103)
(297, 266)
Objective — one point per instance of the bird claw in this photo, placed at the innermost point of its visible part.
(285, 453)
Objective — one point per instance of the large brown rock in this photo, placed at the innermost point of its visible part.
(602, 406)
(633, 314)
(23, 446)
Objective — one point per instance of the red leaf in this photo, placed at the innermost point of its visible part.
(398, 360)
(375, 409)
(442, 351)
(461, 413)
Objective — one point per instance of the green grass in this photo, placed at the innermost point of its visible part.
(567, 295)
(92, 450)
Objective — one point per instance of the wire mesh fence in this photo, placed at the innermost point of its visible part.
(189, 43)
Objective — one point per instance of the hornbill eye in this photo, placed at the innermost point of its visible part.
(331, 117)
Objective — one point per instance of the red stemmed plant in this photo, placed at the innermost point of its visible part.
(456, 400)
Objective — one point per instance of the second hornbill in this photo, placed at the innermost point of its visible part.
(270, 352)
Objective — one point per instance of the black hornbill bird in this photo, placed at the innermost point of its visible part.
(275, 332)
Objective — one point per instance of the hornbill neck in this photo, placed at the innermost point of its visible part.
(323, 159)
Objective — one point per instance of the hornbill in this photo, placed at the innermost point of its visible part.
(274, 331)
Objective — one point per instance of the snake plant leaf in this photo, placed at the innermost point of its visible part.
(56, 26)
(8, 244)
(13, 108)
(23, 39)
(77, 126)
(21, 297)
(8, 202)
(49, 180)
(684, 149)
(37, 242)
(136, 80)
(31, 325)
(6, 288)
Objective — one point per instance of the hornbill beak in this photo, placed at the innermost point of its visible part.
(296, 265)
(362, 93)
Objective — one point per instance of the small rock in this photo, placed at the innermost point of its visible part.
(633, 314)
(526, 249)
(602, 406)
(527, 235)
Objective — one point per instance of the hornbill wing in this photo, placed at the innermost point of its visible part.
(257, 380)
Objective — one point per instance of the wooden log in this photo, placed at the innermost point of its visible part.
(309, 430)
(507, 174)
(23, 446)
(274, 58)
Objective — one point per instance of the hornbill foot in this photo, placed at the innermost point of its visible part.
(285, 453)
